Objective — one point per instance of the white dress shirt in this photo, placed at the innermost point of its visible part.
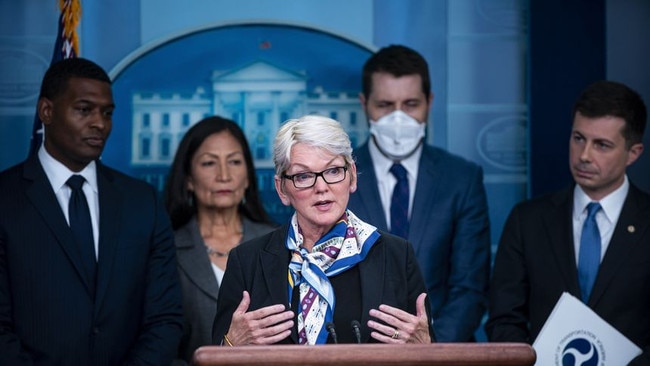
(58, 174)
(606, 218)
(386, 181)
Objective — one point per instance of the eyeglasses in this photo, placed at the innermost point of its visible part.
(308, 179)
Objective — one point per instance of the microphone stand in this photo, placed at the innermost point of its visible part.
(357, 331)
(330, 328)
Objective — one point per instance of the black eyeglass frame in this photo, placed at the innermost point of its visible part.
(316, 175)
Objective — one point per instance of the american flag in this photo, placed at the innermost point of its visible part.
(66, 46)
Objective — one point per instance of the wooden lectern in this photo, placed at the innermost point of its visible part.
(465, 354)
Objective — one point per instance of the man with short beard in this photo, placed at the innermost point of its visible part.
(432, 198)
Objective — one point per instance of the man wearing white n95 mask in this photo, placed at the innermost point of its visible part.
(397, 135)
(434, 199)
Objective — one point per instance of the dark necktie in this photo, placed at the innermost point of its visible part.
(81, 225)
(589, 256)
(399, 204)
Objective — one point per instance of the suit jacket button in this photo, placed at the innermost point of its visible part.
(95, 330)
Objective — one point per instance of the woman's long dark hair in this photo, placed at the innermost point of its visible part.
(179, 201)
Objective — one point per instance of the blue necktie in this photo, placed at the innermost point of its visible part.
(81, 226)
(589, 256)
(399, 204)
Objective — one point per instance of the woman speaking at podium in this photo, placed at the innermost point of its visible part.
(325, 276)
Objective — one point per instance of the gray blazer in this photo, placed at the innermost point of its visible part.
(200, 287)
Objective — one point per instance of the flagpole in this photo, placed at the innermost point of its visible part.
(66, 46)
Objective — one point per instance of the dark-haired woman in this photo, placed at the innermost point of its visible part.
(213, 201)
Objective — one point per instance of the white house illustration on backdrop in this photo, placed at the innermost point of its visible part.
(258, 96)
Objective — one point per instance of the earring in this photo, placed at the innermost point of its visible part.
(190, 199)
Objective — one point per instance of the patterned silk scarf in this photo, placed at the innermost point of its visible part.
(341, 248)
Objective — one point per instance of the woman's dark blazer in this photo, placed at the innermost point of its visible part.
(388, 275)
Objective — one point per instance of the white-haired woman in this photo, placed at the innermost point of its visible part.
(325, 276)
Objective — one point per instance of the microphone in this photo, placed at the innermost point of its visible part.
(330, 328)
(357, 331)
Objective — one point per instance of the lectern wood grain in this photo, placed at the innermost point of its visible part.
(465, 354)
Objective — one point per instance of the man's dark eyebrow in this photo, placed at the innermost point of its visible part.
(605, 141)
(384, 101)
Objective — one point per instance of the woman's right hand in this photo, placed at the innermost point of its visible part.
(266, 325)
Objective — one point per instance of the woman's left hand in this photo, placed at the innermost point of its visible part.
(399, 326)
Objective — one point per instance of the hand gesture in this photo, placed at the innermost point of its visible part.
(398, 326)
(266, 325)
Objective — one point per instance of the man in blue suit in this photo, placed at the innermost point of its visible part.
(88, 270)
(434, 199)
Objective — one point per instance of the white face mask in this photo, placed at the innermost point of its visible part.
(397, 134)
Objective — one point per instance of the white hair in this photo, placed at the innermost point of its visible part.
(312, 130)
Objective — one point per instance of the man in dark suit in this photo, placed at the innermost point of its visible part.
(547, 242)
(112, 298)
(445, 213)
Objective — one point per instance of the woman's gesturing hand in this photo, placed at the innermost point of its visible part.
(266, 325)
(398, 326)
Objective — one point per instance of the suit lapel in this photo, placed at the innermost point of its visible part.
(110, 201)
(369, 208)
(44, 200)
(426, 189)
(558, 225)
(193, 259)
(371, 272)
(275, 266)
(628, 234)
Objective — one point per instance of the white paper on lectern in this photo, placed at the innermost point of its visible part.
(574, 329)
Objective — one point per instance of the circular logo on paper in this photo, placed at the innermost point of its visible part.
(580, 352)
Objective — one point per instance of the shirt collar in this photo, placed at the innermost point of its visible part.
(383, 164)
(58, 174)
(612, 204)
